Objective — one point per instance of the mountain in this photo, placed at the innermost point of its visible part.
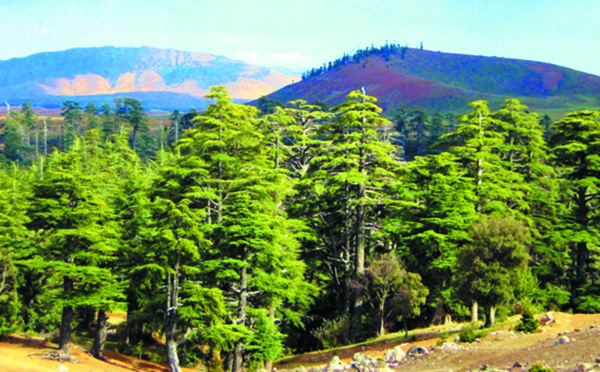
(445, 82)
(161, 78)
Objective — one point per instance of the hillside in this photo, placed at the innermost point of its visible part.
(161, 78)
(447, 82)
(499, 350)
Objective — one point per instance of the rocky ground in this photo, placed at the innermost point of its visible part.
(570, 343)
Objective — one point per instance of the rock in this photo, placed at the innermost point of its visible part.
(517, 365)
(484, 367)
(62, 368)
(417, 350)
(336, 364)
(451, 346)
(562, 340)
(548, 319)
(361, 358)
(394, 355)
(583, 367)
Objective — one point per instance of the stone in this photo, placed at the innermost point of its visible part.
(417, 350)
(62, 368)
(394, 355)
(336, 364)
(517, 365)
(361, 358)
(562, 340)
(583, 367)
(451, 346)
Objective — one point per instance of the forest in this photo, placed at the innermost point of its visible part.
(238, 235)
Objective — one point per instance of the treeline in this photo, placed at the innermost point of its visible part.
(385, 50)
(25, 134)
(256, 235)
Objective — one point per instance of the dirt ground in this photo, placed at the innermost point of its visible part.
(500, 349)
(27, 355)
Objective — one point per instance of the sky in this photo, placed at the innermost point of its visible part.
(306, 33)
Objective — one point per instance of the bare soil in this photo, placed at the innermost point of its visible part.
(27, 355)
(500, 349)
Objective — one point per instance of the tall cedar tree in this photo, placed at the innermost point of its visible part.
(14, 239)
(525, 151)
(75, 234)
(254, 256)
(348, 182)
(576, 144)
(478, 141)
(433, 208)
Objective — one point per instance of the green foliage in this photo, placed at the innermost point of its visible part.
(470, 332)
(536, 367)
(333, 332)
(528, 323)
(496, 255)
(220, 230)
(393, 291)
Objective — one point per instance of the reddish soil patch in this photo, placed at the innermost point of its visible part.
(26, 355)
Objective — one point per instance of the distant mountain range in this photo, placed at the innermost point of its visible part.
(446, 82)
(167, 79)
(160, 78)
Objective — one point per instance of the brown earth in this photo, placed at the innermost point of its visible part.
(500, 349)
(27, 355)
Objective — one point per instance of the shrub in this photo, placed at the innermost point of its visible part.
(334, 333)
(470, 332)
(540, 368)
(528, 323)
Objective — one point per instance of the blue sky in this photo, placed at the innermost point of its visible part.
(303, 34)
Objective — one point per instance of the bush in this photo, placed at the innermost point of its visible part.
(528, 323)
(334, 333)
(540, 368)
(470, 332)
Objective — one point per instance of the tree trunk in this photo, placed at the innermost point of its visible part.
(492, 320)
(133, 326)
(171, 319)
(474, 312)
(100, 338)
(66, 320)
(381, 318)
(269, 363)
(580, 255)
(360, 266)
(238, 359)
(65, 330)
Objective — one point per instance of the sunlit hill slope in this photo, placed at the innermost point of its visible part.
(447, 82)
(164, 77)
